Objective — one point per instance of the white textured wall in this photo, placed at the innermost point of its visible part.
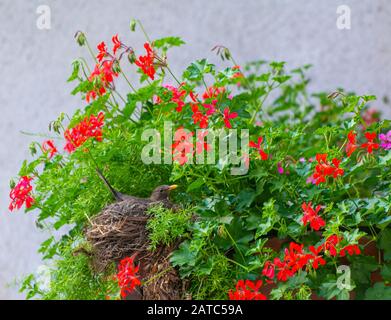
(34, 65)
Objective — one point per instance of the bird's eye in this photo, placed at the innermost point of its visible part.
(161, 190)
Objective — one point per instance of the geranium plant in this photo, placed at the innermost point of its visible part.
(309, 218)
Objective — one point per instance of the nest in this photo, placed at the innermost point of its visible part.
(119, 232)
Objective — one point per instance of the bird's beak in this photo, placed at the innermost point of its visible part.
(172, 187)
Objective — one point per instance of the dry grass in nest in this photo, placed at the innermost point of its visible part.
(114, 235)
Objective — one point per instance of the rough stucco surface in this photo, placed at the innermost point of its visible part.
(34, 65)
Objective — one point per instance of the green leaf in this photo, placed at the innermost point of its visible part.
(168, 42)
(378, 292)
(361, 268)
(386, 272)
(183, 256)
(245, 198)
(198, 69)
(195, 184)
(75, 71)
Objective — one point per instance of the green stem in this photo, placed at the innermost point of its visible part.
(259, 107)
(172, 74)
(143, 30)
(238, 264)
(90, 50)
(234, 243)
(157, 276)
(127, 80)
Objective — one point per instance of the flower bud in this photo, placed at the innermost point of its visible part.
(131, 57)
(80, 38)
(133, 25)
(116, 67)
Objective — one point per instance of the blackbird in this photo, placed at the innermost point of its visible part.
(159, 195)
(119, 231)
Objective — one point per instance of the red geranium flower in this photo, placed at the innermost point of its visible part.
(146, 62)
(21, 194)
(116, 43)
(247, 290)
(268, 270)
(257, 146)
(351, 146)
(213, 92)
(178, 96)
(331, 243)
(127, 276)
(48, 146)
(295, 259)
(337, 171)
(350, 249)
(228, 116)
(211, 108)
(88, 128)
(101, 77)
(102, 48)
(182, 146)
(311, 216)
(324, 169)
(238, 74)
(198, 117)
(370, 145)
(316, 258)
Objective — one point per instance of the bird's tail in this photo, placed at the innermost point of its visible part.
(117, 195)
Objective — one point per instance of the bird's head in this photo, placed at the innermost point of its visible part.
(162, 192)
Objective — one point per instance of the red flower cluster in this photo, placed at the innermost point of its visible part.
(370, 145)
(21, 194)
(199, 117)
(350, 249)
(103, 73)
(311, 216)
(257, 146)
(182, 147)
(331, 245)
(247, 290)
(101, 77)
(178, 96)
(49, 147)
(210, 97)
(127, 276)
(324, 168)
(295, 259)
(88, 128)
(146, 62)
(213, 93)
